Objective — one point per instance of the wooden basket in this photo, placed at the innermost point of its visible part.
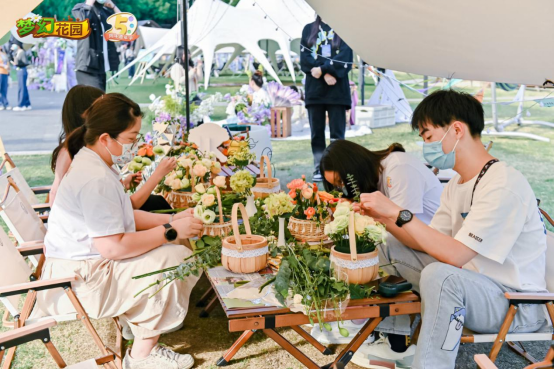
(220, 229)
(359, 269)
(182, 200)
(307, 230)
(243, 253)
(265, 186)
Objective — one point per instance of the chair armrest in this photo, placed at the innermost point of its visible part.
(41, 207)
(31, 250)
(21, 288)
(530, 297)
(483, 362)
(27, 330)
(39, 190)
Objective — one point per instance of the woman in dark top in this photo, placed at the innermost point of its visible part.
(327, 85)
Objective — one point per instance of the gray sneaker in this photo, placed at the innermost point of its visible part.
(160, 357)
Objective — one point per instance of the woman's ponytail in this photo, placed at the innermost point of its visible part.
(76, 141)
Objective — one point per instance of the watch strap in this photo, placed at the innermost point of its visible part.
(168, 226)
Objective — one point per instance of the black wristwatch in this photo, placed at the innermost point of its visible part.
(405, 216)
(170, 233)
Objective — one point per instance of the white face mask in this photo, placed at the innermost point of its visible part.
(128, 153)
(101, 2)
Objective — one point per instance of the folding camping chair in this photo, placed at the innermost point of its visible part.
(18, 214)
(14, 282)
(544, 298)
(29, 192)
(41, 331)
(483, 361)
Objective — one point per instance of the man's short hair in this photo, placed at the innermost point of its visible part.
(445, 106)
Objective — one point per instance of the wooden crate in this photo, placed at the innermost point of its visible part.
(281, 121)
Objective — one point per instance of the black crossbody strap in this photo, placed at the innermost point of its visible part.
(481, 174)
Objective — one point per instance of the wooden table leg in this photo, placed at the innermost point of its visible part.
(291, 349)
(205, 297)
(228, 355)
(208, 309)
(324, 350)
(346, 355)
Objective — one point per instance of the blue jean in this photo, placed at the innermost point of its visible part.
(23, 92)
(451, 298)
(4, 90)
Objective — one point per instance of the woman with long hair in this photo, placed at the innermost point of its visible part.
(401, 177)
(94, 233)
(260, 95)
(326, 60)
(179, 68)
(79, 99)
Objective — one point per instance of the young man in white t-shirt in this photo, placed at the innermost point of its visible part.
(487, 238)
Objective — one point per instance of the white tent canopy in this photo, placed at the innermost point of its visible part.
(493, 40)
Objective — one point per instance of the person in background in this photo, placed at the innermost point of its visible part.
(129, 58)
(260, 96)
(402, 178)
(4, 77)
(94, 233)
(95, 56)
(177, 72)
(77, 101)
(327, 85)
(20, 63)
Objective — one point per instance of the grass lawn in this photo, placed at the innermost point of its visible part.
(291, 159)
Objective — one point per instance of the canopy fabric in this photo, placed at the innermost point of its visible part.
(494, 40)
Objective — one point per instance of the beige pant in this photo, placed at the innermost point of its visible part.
(106, 289)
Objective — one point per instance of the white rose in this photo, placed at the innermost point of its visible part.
(361, 222)
(169, 178)
(297, 300)
(207, 199)
(340, 223)
(341, 211)
(185, 162)
(207, 163)
(198, 211)
(185, 183)
(176, 184)
(208, 217)
(179, 174)
(220, 181)
(196, 197)
(376, 233)
(200, 188)
(212, 190)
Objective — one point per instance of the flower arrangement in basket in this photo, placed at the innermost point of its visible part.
(310, 213)
(181, 184)
(243, 253)
(240, 158)
(209, 209)
(355, 238)
(266, 185)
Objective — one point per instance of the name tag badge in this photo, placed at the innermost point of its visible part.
(326, 51)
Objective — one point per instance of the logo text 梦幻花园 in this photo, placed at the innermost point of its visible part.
(40, 27)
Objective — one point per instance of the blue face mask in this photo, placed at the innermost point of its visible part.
(101, 2)
(435, 156)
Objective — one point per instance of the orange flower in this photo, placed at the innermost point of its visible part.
(146, 150)
(294, 202)
(295, 184)
(303, 176)
(315, 187)
(325, 196)
(309, 213)
(292, 194)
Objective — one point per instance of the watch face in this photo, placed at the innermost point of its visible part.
(405, 216)
(171, 234)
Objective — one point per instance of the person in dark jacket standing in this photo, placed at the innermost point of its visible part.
(95, 56)
(327, 85)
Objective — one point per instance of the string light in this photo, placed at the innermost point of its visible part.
(302, 47)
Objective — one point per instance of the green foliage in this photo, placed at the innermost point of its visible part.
(206, 255)
(354, 186)
(308, 273)
(363, 245)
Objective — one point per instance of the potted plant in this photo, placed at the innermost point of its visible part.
(240, 156)
(355, 239)
(279, 205)
(310, 213)
(241, 183)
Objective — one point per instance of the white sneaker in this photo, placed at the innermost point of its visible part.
(17, 108)
(334, 337)
(8, 108)
(2, 108)
(28, 107)
(160, 357)
(380, 350)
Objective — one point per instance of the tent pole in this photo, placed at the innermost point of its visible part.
(494, 113)
(184, 34)
(361, 79)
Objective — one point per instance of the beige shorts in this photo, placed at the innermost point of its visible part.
(106, 290)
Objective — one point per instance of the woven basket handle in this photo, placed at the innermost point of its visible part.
(265, 159)
(352, 238)
(235, 223)
(192, 180)
(220, 205)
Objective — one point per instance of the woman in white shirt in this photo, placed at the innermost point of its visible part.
(260, 96)
(94, 233)
(401, 177)
(177, 72)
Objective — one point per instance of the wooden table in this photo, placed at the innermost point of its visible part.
(267, 319)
